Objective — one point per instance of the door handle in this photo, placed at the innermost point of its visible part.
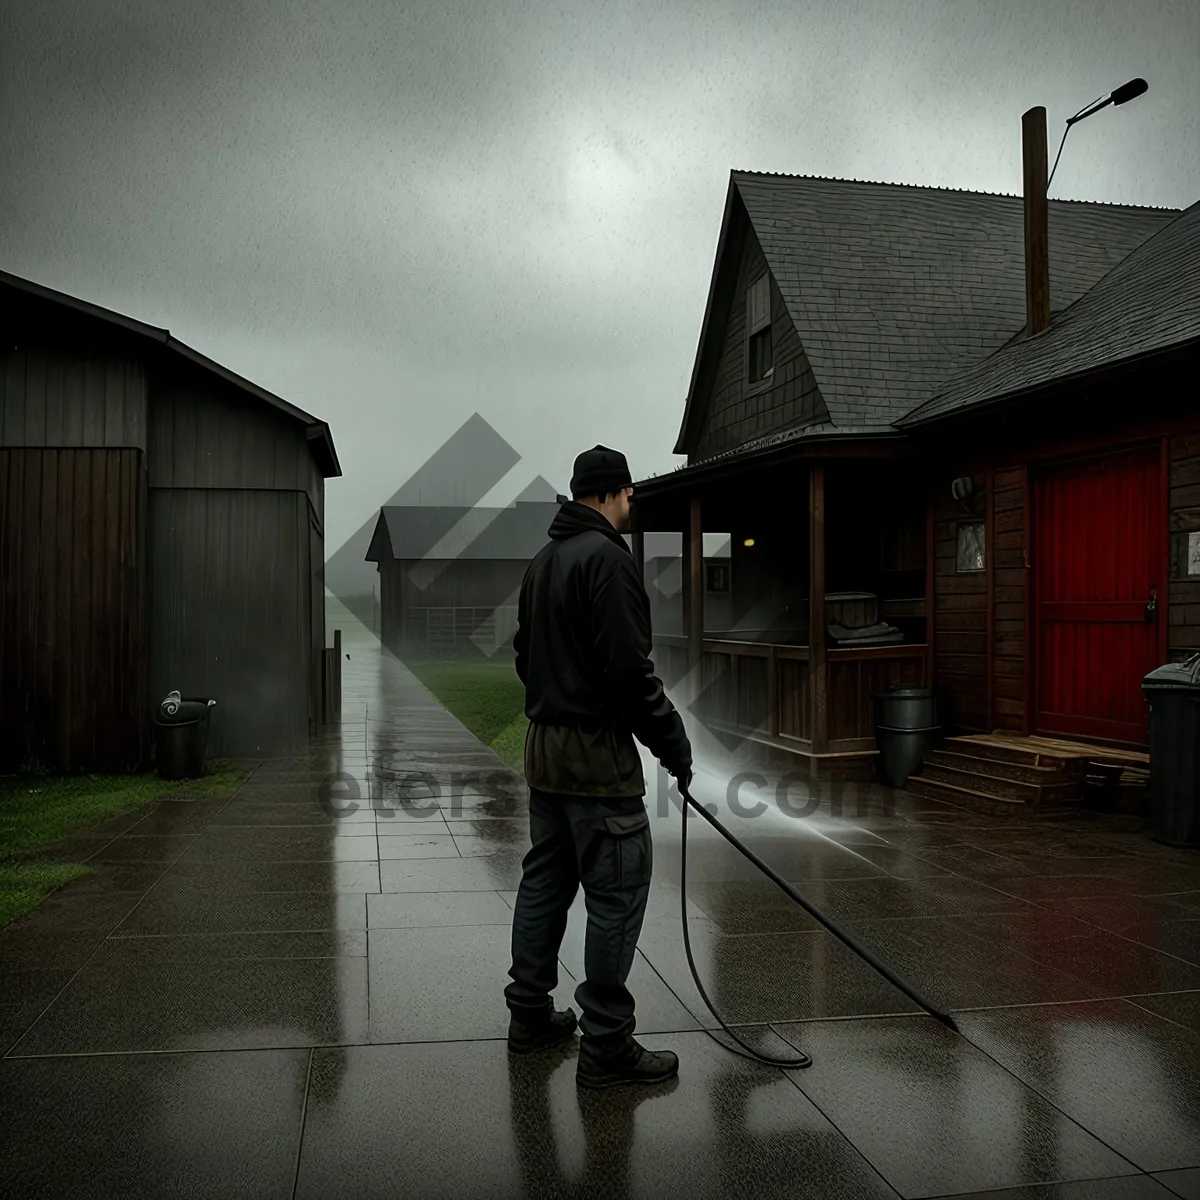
(1152, 607)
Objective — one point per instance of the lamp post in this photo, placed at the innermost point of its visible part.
(1033, 146)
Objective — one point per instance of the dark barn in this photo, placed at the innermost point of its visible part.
(449, 577)
(836, 311)
(161, 527)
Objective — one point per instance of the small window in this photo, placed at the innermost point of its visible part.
(716, 577)
(758, 328)
(972, 540)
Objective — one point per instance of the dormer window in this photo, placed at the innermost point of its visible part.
(758, 325)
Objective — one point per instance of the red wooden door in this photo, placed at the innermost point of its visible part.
(1097, 567)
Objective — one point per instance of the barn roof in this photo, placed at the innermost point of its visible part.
(894, 288)
(320, 439)
(413, 533)
(1148, 303)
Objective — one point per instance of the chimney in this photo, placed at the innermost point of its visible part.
(1037, 252)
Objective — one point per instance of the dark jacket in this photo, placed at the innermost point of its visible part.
(583, 653)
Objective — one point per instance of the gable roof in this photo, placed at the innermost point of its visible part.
(1146, 304)
(538, 490)
(431, 533)
(320, 439)
(893, 288)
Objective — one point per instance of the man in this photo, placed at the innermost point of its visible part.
(583, 653)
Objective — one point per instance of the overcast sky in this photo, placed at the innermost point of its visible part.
(397, 214)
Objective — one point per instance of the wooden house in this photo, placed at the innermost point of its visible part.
(850, 374)
(450, 576)
(161, 528)
(1078, 455)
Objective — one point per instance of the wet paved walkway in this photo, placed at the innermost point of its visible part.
(257, 998)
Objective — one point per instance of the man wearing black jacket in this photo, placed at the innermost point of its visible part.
(583, 653)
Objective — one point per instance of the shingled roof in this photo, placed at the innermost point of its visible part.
(893, 289)
(413, 533)
(1148, 303)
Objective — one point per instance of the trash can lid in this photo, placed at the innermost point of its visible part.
(1184, 675)
(177, 709)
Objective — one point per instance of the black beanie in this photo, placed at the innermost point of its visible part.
(599, 471)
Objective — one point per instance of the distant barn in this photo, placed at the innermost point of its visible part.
(450, 577)
(161, 527)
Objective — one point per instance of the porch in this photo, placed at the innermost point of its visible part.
(829, 577)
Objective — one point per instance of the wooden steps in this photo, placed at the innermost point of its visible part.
(1007, 781)
(1044, 751)
(993, 805)
(1005, 772)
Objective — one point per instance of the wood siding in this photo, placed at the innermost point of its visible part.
(1183, 617)
(854, 678)
(458, 583)
(230, 612)
(480, 584)
(204, 433)
(961, 601)
(1010, 582)
(55, 396)
(72, 689)
(960, 613)
(735, 412)
(316, 623)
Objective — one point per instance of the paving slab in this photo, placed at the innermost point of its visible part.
(298, 990)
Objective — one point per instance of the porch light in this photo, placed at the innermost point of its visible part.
(748, 542)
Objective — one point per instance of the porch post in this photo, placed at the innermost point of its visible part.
(694, 563)
(816, 609)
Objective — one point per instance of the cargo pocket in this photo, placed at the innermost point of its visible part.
(634, 849)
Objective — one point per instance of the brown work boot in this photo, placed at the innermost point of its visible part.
(555, 1028)
(611, 1062)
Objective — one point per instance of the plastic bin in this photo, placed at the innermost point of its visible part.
(1173, 694)
(906, 729)
(181, 741)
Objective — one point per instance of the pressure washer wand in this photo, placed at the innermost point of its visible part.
(815, 912)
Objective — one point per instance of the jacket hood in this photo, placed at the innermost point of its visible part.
(573, 518)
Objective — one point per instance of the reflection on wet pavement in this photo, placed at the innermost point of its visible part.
(298, 991)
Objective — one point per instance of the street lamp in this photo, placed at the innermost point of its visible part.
(1033, 152)
(1122, 95)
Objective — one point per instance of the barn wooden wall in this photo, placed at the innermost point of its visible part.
(229, 517)
(56, 394)
(205, 433)
(456, 583)
(72, 684)
(231, 597)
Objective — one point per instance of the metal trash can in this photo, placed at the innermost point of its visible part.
(906, 727)
(182, 736)
(1173, 694)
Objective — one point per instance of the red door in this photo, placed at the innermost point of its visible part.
(1097, 569)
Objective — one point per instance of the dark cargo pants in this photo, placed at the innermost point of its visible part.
(604, 844)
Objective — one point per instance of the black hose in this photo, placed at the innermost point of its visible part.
(802, 1060)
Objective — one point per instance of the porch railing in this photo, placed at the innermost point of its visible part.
(765, 691)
